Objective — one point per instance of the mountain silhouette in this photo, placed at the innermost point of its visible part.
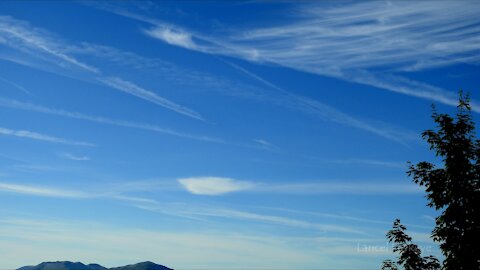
(65, 265)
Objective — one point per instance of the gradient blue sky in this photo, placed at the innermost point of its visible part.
(222, 135)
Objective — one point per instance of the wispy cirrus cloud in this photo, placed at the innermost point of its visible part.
(196, 212)
(222, 185)
(264, 143)
(46, 48)
(34, 41)
(178, 36)
(173, 36)
(8, 103)
(268, 93)
(208, 213)
(15, 85)
(135, 90)
(342, 187)
(355, 42)
(281, 97)
(327, 112)
(42, 191)
(41, 137)
(74, 157)
(67, 193)
(178, 210)
(213, 185)
(291, 222)
(342, 217)
(212, 213)
(372, 162)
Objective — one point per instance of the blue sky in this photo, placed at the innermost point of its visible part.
(222, 135)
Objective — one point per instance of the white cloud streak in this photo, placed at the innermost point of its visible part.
(15, 85)
(201, 213)
(264, 143)
(23, 36)
(104, 120)
(44, 46)
(74, 157)
(355, 188)
(220, 186)
(352, 42)
(282, 97)
(198, 213)
(242, 215)
(173, 37)
(213, 185)
(40, 137)
(279, 96)
(42, 191)
(325, 111)
(371, 162)
(177, 210)
(135, 90)
(53, 192)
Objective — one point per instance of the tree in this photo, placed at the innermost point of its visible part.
(453, 189)
(410, 254)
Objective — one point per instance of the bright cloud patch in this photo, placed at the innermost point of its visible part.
(172, 36)
(213, 185)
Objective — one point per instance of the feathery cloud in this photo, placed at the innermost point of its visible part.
(279, 96)
(285, 98)
(25, 37)
(220, 186)
(43, 46)
(8, 103)
(213, 185)
(353, 42)
(202, 213)
(263, 142)
(40, 137)
(182, 210)
(15, 85)
(357, 188)
(371, 162)
(45, 191)
(74, 157)
(279, 220)
(327, 112)
(135, 90)
(178, 210)
(172, 36)
(41, 191)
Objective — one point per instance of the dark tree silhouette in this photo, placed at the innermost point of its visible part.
(453, 189)
(410, 255)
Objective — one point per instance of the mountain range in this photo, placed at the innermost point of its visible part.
(65, 265)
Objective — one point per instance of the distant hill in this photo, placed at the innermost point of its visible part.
(81, 266)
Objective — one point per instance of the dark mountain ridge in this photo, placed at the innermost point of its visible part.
(66, 265)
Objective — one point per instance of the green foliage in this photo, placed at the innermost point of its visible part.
(453, 189)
